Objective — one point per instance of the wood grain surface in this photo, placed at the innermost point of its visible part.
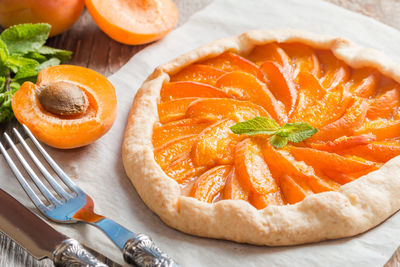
(93, 49)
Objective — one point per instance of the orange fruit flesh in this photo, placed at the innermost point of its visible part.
(355, 110)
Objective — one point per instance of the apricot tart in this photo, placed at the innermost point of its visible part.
(199, 176)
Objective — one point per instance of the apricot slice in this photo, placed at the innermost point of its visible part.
(210, 183)
(269, 52)
(343, 143)
(331, 161)
(334, 71)
(280, 83)
(384, 105)
(252, 170)
(198, 73)
(244, 86)
(134, 22)
(351, 120)
(229, 61)
(173, 130)
(233, 189)
(260, 201)
(381, 128)
(303, 58)
(173, 109)
(182, 169)
(168, 152)
(219, 108)
(292, 192)
(216, 144)
(189, 89)
(380, 151)
(73, 130)
(363, 82)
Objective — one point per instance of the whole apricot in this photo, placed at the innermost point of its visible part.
(60, 14)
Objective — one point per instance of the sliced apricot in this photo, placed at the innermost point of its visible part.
(292, 192)
(229, 61)
(344, 142)
(182, 169)
(331, 161)
(216, 144)
(233, 189)
(252, 170)
(269, 52)
(280, 83)
(210, 183)
(176, 129)
(384, 105)
(134, 22)
(381, 128)
(351, 120)
(185, 89)
(260, 201)
(380, 151)
(244, 86)
(219, 108)
(334, 71)
(68, 131)
(170, 151)
(198, 73)
(363, 82)
(174, 109)
(303, 58)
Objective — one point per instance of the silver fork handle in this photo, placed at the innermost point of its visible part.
(137, 249)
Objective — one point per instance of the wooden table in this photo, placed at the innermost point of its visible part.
(93, 49)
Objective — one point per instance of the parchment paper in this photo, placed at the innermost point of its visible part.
(98, 169)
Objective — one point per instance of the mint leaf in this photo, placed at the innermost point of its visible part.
(3, 58)
(299, 131)
(258, 125)
(36, 56)
(23, 38)
(48, 63)
(278, 141)
(49, 52)
(2, 84)
(22, 67)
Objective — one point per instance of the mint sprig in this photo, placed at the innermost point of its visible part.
(22, 56)
(280, 135)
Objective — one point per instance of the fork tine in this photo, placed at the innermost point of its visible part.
(27, 188)
(48, 195)
(64, 177)
(42, 169)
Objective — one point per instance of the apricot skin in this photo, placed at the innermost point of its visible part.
(60, 14)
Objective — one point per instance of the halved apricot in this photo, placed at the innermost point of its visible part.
(210, 183)
(68, 131)
(382, 128)
(174, 109)
(384, 105)
(343, 143)
(170, 151)
(182, 169)
(216, 144)
(363, 82)
(269, 52)
(252, 170)
(176, 129)
(219, 108)
(229, 61)
(233, 189)
(198, 73)
(244, 86)
(134, 22)
(303, 58)
(334, 71)
(280, 83)
(260, 201)
(380, 151)
(185, 89)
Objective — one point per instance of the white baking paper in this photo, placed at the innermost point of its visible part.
(98, 168)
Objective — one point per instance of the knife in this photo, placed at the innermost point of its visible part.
(39, 238)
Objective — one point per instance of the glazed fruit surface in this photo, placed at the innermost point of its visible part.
(356, 112)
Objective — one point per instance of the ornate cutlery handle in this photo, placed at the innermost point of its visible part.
(141, 251)
(72, 254)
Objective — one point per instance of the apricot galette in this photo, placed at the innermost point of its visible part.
(270, 137)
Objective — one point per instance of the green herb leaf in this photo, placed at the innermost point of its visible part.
(23, 38)
(278, 141)
(50, 52)
(293, 132)
(22, 67)
(48, 63)
(3, 58)
(36, 56)
(258, 125)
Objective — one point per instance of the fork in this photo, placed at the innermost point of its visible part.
(77, 206)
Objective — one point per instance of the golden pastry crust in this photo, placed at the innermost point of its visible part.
(353, 209)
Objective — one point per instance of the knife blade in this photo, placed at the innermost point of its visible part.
(39, 238)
